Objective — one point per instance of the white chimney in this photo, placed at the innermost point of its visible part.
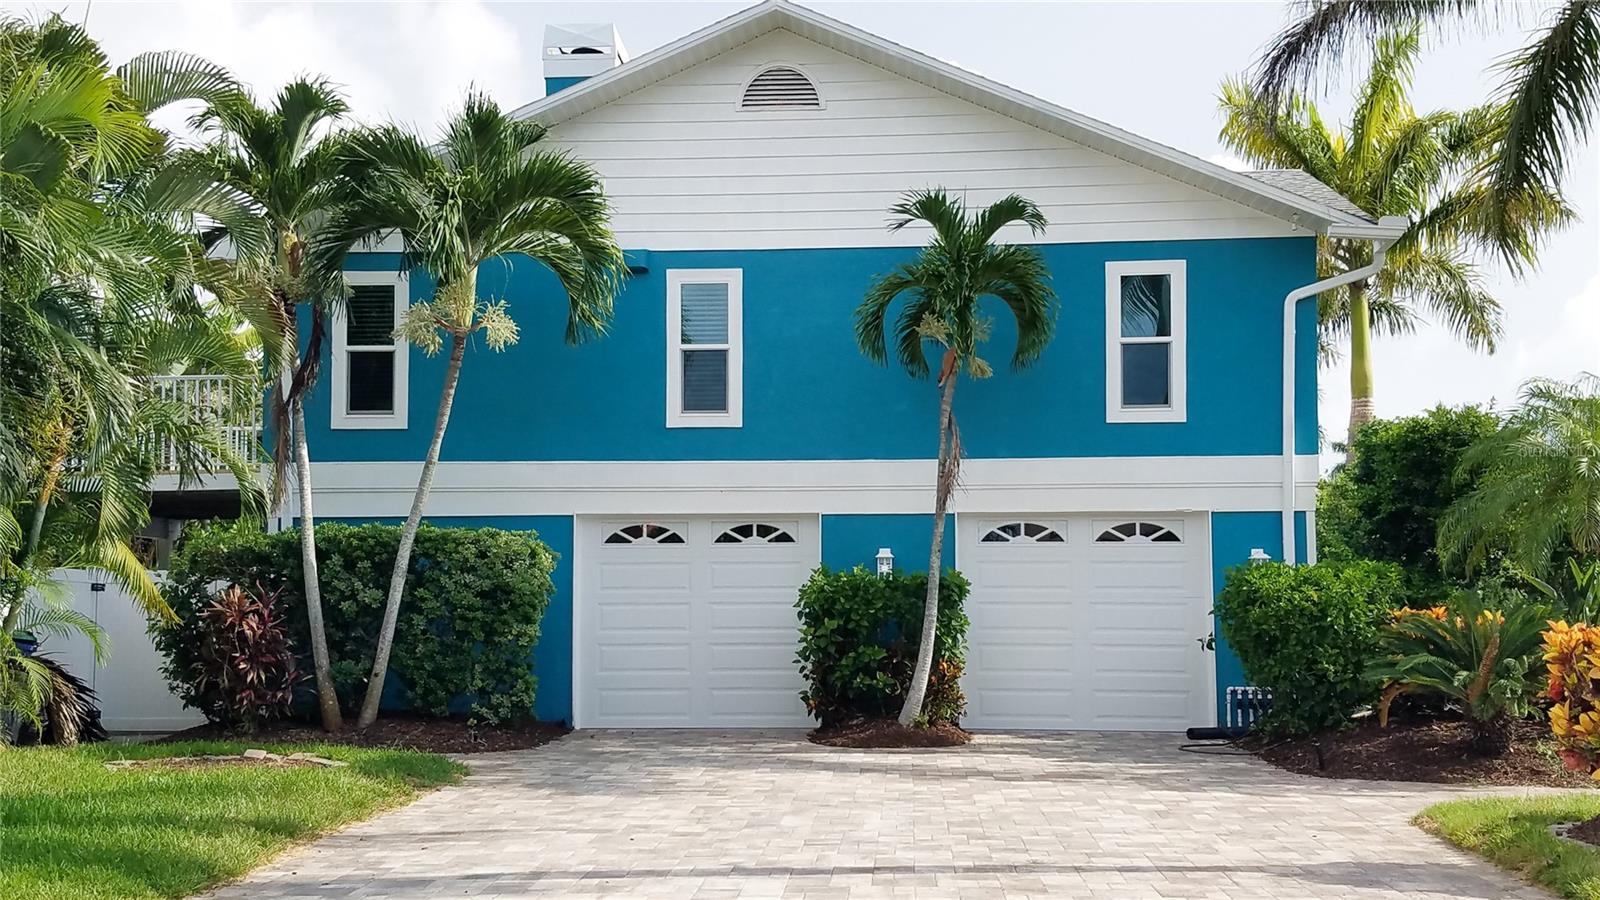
(575, 52)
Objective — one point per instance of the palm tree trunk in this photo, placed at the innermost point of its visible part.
(408, 536)
(930, 605)
(327, 698)
(1361, 406)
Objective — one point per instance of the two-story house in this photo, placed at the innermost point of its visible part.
(727, 436)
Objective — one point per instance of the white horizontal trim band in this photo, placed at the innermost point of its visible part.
(1099, 484)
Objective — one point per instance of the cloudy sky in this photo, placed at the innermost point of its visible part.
(1152, 68)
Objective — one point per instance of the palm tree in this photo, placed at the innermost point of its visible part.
(1390, 160)
(1548, 95)
(100, 233)
(487, 192)
(1537, 481)
(943, 287)
(284, 158)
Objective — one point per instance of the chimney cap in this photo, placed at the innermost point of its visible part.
(584, 39)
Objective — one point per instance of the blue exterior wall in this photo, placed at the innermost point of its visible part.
(849, 541)
(1233, 536)
(808, 392)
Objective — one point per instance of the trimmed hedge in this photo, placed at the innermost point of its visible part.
(1308, 633)
(859, 633)
(468, 624)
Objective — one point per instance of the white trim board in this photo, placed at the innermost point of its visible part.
(1092, 484)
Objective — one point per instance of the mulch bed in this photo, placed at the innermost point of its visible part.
(1586, 831)
(1428, 750)
(395, 732)
(888, 734)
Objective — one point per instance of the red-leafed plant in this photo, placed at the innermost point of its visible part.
(247, 672)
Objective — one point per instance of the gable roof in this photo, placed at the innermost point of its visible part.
(1309, 186)
(1274, 195)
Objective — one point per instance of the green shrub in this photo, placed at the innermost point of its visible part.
(473, 602)
(859, 633)
(1308, 633)
(1386, 501)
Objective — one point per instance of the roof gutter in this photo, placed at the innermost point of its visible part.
(1383, 234)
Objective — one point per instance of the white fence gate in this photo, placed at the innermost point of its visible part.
(133, 694)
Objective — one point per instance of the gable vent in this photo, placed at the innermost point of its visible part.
(780, 87)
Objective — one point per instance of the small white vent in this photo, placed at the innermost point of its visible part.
(780, 87)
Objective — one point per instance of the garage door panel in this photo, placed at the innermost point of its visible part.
(651, 705)
(1141, 659)
(694, 633)
(646, 616)
(1087, 634)
(1026, 708)
(753, 574)
(1129, 572)
(642, 657)
(643, 575)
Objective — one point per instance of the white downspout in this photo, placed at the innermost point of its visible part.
(1380, 249)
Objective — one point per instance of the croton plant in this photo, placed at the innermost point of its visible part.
(1572, 657)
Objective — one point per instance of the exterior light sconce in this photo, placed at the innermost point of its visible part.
(1258, 555)
(885, 561)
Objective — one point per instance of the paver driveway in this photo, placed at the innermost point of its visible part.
(749, 814)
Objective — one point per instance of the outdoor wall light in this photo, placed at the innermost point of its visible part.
(885, 561)
(1259, 555)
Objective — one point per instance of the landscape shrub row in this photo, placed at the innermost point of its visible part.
(466, 634)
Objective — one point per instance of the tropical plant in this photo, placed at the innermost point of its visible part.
(1572, 661)
(32, 688)
(103, 262)
(1578, 598)
(1306, 633)
(859, 632)
(285, 157)
(1537, 481)
(487, 192)
(1481, 656)
(942, 289)
(1546, 101)
(247, 672)
(1400, 477)
(1392, 161)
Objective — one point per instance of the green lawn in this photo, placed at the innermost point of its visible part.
(71, 829)
(1513, 833)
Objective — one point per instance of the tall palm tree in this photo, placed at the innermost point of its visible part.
(1537, 480)
(942, 288)
(1549, 92)
(1391, 160)
(487, 192)
(100, 228)
(285, 157)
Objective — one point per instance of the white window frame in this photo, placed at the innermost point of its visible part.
(1178, 369)
(343, 418)
(734, 416)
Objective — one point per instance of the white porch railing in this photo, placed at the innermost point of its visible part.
(240, 414)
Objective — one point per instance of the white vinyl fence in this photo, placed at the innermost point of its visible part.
(133, 695)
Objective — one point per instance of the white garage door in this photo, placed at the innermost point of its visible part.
(691, 622)
(1087, 622)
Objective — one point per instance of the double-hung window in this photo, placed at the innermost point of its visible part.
(1146, 344)
(369, 360)
(705, 348)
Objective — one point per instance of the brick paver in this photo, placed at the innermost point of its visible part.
(765, 814)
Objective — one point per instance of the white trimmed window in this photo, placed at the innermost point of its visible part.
(1146, 341)
(705, 348)
(369, 360)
